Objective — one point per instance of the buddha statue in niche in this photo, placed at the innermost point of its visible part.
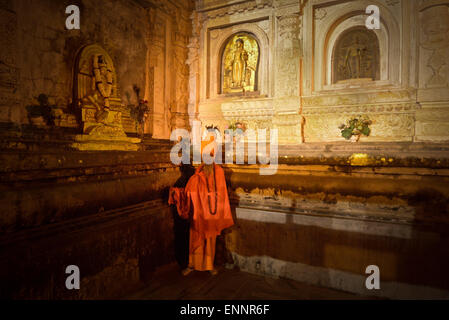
(239, 65)
(240, 62)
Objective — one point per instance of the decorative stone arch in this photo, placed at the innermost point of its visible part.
(349, 17)
(219, 39)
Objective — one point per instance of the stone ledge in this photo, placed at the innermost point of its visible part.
(75, 225)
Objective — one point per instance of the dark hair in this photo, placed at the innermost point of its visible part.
(212, 128)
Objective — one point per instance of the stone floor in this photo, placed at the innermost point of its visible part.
(169, 284)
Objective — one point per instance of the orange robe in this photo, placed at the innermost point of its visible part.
(195, 202)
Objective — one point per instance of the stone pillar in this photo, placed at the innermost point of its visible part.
(432, 121)
(157, 76)
(181, 30)
(194, 68)
(287, 75)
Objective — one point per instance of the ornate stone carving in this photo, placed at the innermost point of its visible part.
(236, 8)
(435, 28)
(385, 127)
(359, 100)
(356, 56)
(288, 53)
(320, 13)
(240, 63)
(289, 128)
(362, 109)
(97, 95)
(258, 109)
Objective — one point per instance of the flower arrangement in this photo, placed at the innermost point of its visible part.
(356, 126)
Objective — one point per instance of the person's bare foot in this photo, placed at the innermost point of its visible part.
(213, 272)
(186, 271)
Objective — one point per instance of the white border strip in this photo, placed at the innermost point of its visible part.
(385, 229)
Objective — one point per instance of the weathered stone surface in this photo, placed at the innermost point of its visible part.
(116, 251)
(47, 52)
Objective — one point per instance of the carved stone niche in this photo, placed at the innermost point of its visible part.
(356, 56)
(240, 64)
(224, 45)
(95, 93)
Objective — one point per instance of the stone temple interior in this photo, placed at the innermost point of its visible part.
(353, 96)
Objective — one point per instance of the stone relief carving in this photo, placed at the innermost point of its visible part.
(240, 64)
(356, 56)
(97, 92)
(264, 25)
(385, 127)
(97, 95)
(260, 109)
(320, 13)
(238, 8)
(382, 97)
(435, 29)
(288, 53)
(182, 85)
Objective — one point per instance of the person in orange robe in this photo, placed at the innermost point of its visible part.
(205, 202)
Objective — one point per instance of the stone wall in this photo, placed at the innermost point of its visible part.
(333, 210)
(276, 26)
(105, 212)
(38, 57)
(116, 252)
(406, 101)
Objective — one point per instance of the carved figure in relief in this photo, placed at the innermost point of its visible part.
(103, 84)
(356, 56)
(96, 93)
(353, 60)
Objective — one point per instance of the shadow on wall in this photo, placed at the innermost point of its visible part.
(181, 226)
(43, 111)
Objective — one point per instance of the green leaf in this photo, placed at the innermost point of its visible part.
(366, 131)
(347, 133)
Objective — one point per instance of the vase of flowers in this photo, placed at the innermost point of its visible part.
(355, 128)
